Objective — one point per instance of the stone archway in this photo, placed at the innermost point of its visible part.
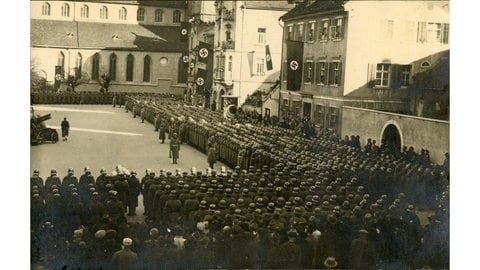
(392, 137)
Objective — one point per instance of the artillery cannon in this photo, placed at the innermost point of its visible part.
(39, 132)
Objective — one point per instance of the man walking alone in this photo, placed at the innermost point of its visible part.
(65, 129)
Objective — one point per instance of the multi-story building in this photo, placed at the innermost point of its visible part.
(362, 61)
(243, 31)
(201, 16)
(136, 43)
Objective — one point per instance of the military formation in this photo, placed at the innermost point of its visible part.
(289, 201)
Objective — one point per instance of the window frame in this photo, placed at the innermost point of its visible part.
(382, 73)
(159, 15)
(85, 11)
(65, 10)
(130, 68)
(306, 71)
(338, 34)
(290, 31)
(147, 63)
(122, 14)
(311, 33)
(262, 36)
(104, 12)
(323, 35)
(177, 16)
(46, 9)
(320, 69)
(96, 66)
(260, 71)
(337, 73)
(140, 14)
(405, 76)
(112, 66)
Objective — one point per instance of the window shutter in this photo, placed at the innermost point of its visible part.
(421, 34)
(371, 75)
(395, 76)
(445, 30)
(331, 78)
(327, 77)
(339, 80)
(342, 28)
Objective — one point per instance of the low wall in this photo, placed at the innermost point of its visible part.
(417, 132)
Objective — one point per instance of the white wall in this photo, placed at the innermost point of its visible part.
(246, 46)
(94, 12)
(367, 44)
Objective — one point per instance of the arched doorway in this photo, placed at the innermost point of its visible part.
(391, 138)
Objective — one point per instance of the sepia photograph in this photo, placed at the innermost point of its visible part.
(227, 134)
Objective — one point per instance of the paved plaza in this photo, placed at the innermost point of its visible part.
(103, 136)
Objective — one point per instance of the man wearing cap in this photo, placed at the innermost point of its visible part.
(36, 180)
(133, 192)
(361, 254)
(69, 180)
(212, 155)
(174, 148)
(162, 130)
(125, 258)
(65, 129)
(147, 180)
(86, 181)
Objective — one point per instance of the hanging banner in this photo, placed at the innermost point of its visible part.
(184, 31)
(268, 57)
(204, 51)
(294, 64)
(200, 80)
(58, 76)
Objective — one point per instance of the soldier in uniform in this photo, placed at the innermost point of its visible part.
(133, 192)
(156, 121)
(174, 148)
(69, 180)
(212, 155)
(36, 180)
(65, 128)
(142, 114)
(162, 130)
(85, 183)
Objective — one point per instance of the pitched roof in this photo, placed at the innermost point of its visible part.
(49, 33)
(155, 3)
(275, 5)
(306, 7)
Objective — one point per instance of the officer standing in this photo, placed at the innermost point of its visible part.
(133, 192)
(65, 128)
(174, 148)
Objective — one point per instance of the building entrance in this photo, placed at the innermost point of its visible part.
(307, 110)
(391, 138)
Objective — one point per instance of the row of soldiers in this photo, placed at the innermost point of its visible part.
(249, 145)
(271, 209)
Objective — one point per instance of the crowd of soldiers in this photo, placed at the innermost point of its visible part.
(290, 202)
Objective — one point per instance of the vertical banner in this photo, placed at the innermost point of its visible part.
(58, 76)
(268, 57)
(204, 51)
(294, 64)
(184, 31)
(200, 80)
(185, 58)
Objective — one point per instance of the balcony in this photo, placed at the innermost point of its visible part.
(228, 45)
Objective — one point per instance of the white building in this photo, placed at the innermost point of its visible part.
(135, 42)
(243, 29)
(369, 55)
